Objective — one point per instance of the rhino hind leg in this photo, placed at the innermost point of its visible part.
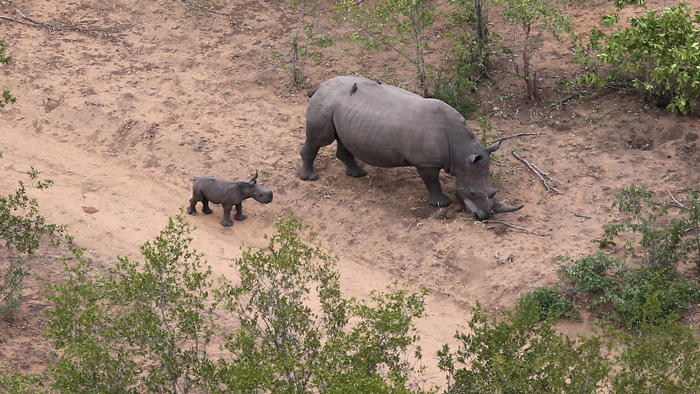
(205, 206)
(431, 178)
(308, 155)
(353, 169)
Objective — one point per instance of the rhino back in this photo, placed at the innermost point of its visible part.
(216, 190)
(386, 126)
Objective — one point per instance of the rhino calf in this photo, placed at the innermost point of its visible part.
(227, 193)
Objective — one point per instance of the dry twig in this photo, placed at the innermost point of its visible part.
(411, 225)
(188, 11)
(511, 136)
(539, 173)
(674, 199)
(541, 234)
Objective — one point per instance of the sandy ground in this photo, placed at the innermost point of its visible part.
(126, 108)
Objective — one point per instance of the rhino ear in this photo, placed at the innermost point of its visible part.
(474, 158)
(252, 180)
(493, 147)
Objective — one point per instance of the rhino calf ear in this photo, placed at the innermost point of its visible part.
(252, 181)
(493, 147)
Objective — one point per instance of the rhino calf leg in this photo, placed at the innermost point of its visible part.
(308, 155)
(227, 222)
(205, 207)
(353, 169)
(431, 178)
(239, 213)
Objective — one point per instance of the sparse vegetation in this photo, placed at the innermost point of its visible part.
(535, 17)
(400, 25)
(22, 229)
(7, 97)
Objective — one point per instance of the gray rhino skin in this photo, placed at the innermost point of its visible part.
(227, 193)
(386, 126)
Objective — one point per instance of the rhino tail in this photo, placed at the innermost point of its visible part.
(353, 89)
(311, 93)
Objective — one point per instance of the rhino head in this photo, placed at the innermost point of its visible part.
(474, 185)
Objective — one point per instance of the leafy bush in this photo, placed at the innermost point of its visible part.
(21, 230)
(654, 292)
(149, 327)
(549, 302)
(520, 355)
(663, 241)
(588, 273)
(658, 52)
(647, 297)
(665, 359)
(283, 345)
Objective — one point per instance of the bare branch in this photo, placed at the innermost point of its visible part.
(539, 173)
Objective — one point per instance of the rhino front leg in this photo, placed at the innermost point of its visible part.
(308, 155)
(353, 169)
(227, 222)
(431, 178)
(239, 213)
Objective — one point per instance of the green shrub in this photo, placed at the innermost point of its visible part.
(663, 359)
(148, 327)
(521, 355)
(646, 297)
(549, 302)
(658, 53)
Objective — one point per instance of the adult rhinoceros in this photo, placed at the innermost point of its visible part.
(386, 126)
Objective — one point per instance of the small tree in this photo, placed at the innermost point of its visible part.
(400, 25)
(302, 46)
(535, 17)
(139, 327)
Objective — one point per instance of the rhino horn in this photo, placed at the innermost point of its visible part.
(252, 180)
(491, 193)
(499, 206)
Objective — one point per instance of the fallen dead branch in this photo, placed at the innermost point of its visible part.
(541, 234)
(540, 174)
(30, 21)
(511, 136)
(188, 11)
